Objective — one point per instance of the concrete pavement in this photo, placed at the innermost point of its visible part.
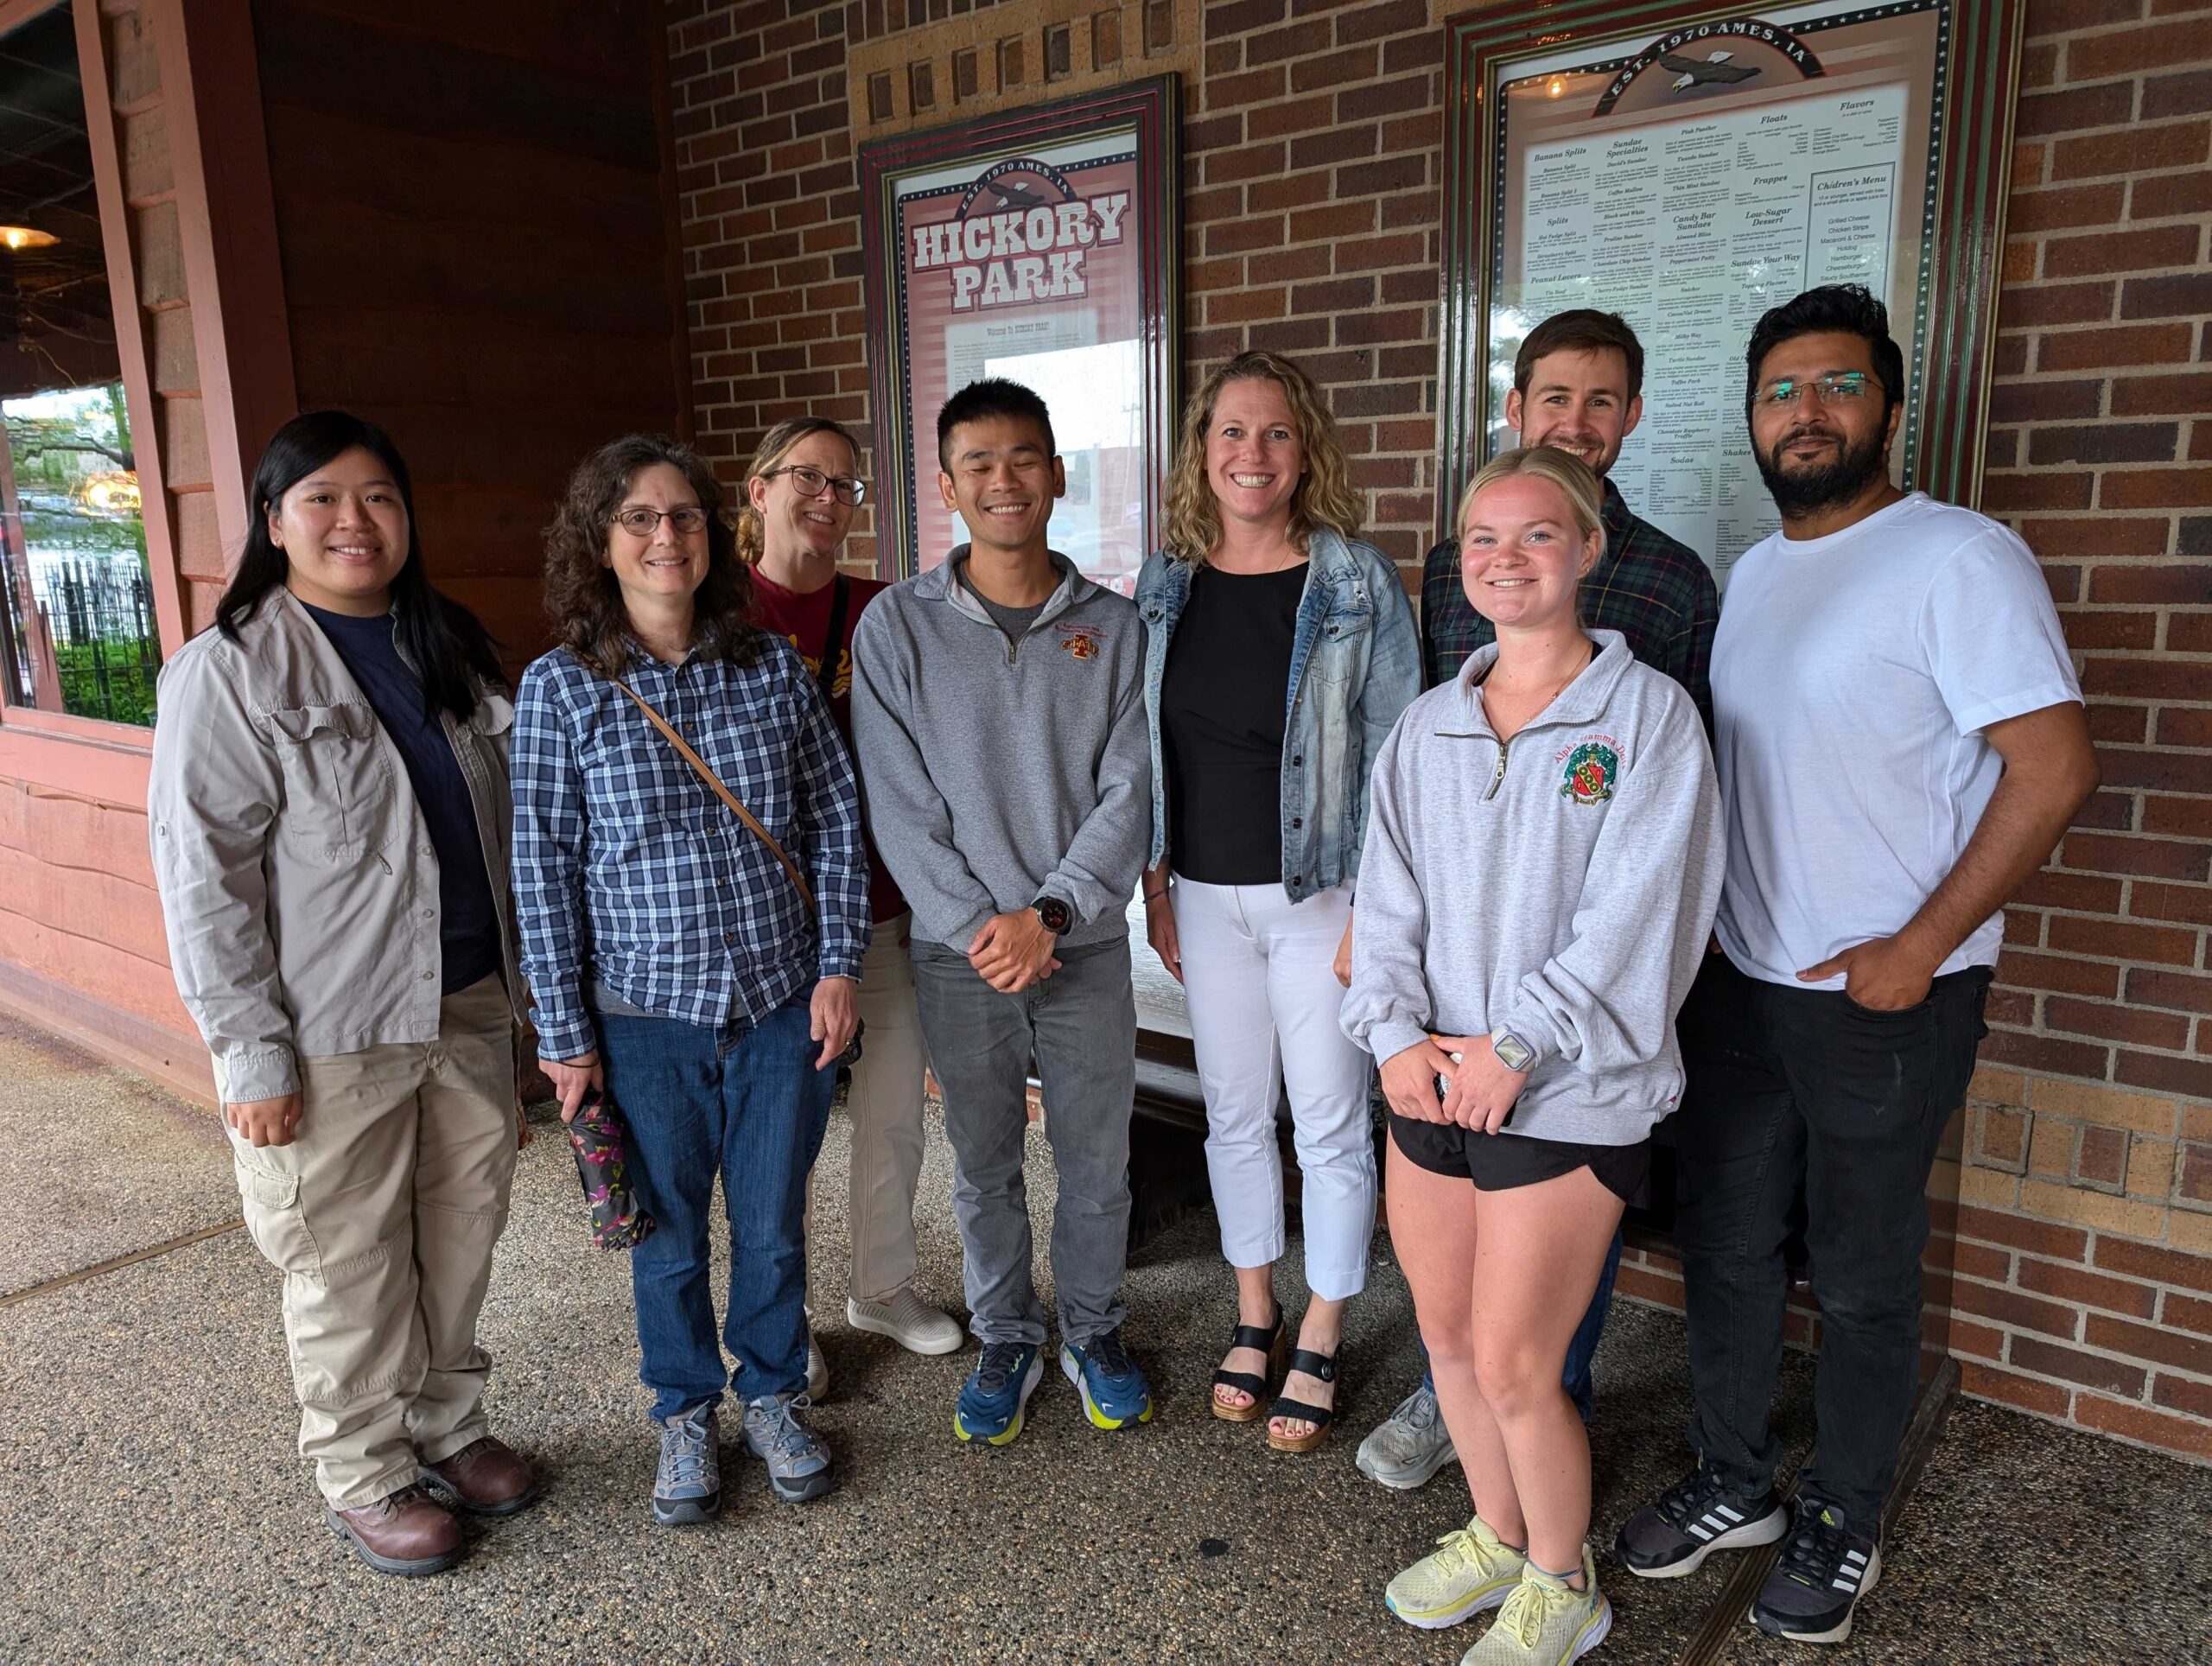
(152, 1507)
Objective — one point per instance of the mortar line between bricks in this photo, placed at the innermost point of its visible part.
(116, 1263)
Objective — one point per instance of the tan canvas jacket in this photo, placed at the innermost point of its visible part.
(298, 884)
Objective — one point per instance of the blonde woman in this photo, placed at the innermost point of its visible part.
(1541, 872)
(800, 492)
(1281, 650)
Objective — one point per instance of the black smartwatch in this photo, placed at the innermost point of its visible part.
(1057, 915)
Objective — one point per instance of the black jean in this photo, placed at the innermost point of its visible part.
(1791, 1087)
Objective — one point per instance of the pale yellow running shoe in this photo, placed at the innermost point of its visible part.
(1546, 1622)
(1469, 1571)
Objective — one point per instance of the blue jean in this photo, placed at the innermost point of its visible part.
(747, 1104)
(1582, 1349)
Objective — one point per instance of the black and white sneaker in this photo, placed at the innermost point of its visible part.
(1697, 1515)
(1825, 1569)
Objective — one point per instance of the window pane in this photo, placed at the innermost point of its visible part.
(80, 633)
(1160, 996)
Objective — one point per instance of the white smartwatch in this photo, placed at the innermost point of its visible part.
(1512, 1051)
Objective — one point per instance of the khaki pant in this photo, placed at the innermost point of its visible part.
(885, 1103)
(381, 1215)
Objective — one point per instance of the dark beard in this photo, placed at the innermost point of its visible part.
(1800, 494)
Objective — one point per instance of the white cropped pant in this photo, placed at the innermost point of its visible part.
(1259, 982)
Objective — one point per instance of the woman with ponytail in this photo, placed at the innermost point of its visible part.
(329, 812)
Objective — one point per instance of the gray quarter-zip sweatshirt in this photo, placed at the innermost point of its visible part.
(1562, 884)
(995, 771)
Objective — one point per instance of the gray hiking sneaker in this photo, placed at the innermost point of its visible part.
(798, 1464)
(689, 1486)
(1408, 1445)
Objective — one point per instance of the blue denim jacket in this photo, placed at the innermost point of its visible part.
(1354, 664)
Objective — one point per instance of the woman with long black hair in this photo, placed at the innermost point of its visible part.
(329, 811)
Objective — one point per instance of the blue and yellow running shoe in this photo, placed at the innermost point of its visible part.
(992, 1397)
(1113, 1387)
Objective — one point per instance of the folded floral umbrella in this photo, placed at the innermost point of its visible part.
(597, 1133)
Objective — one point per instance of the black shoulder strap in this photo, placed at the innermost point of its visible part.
(833, 645)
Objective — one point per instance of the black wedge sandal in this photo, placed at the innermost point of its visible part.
(1270, 1340)
(1322, 1368)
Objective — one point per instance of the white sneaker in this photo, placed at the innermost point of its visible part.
(907, 1320)
(1410, 1444)
(817, 1370)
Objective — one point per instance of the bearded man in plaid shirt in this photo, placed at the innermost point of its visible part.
(1577, 385)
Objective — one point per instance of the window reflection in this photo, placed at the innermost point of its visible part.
(79, 631)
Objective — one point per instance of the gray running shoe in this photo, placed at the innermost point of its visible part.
(689, 1486)
(798, 1464)
(1408, 1445)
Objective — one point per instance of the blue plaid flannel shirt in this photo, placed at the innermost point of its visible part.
(630, 872)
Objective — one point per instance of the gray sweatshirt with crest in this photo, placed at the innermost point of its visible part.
(1562, 884)
(993, 772)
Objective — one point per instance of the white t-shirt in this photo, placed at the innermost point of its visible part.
(1853, 676)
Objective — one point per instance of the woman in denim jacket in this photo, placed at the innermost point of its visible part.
(1280, 651)
(328, 809)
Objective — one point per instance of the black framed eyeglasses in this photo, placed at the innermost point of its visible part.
(641, 522)
(808, 482)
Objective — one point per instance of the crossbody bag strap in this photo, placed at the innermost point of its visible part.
(715, 781)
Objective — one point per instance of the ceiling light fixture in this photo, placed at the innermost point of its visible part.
(18, 237)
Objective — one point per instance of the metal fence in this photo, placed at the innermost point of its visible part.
(99, 615)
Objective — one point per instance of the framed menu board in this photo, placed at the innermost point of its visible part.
(1689, 170)
(1040, 245)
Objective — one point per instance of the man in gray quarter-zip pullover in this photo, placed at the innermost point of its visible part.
(998, 712)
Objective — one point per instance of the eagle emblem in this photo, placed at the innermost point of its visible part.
(1714, 71)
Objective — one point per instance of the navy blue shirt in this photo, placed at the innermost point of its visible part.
(469, 922)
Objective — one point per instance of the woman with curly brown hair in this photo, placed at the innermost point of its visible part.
(1281, 649)
(701, 968)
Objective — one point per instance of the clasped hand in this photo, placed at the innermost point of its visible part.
(1482, 1093)
(1014, 951)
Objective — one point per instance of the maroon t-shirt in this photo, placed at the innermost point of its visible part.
(804, 621)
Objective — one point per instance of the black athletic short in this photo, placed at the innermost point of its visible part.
(1500, 1161)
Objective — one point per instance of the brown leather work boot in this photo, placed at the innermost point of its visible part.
(408, 1533)
(485, 1478)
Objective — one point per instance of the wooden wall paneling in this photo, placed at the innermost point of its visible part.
(464, 94)
(227, 223)
(102, 119)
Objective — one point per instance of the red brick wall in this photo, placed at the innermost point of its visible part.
(1313, 137)
(2085, 1226)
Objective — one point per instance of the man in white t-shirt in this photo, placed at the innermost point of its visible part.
(1900, 742)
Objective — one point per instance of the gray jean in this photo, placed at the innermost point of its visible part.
(1081, 1026)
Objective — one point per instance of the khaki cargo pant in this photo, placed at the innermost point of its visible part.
(884, 1105)
(381, 1215)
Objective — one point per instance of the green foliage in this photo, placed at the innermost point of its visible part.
(130, 693)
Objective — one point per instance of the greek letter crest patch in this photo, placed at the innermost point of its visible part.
(1591, 770)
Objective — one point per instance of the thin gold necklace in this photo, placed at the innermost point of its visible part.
(1546, 703)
